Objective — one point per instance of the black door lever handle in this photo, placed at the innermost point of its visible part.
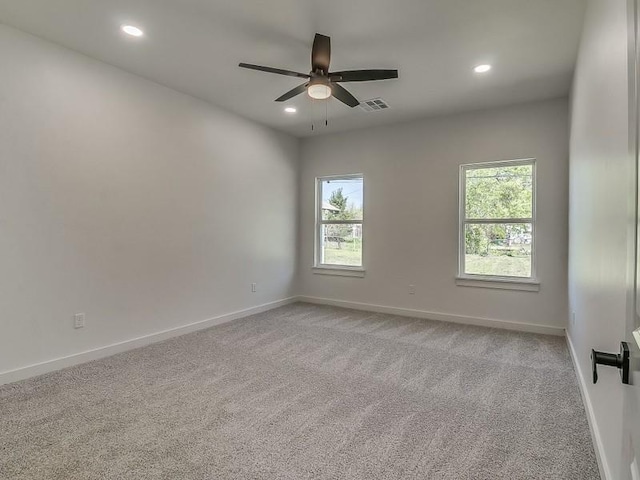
(620, 361)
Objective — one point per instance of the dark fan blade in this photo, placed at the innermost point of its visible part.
(362, 75)
(321, 53)
(273, 70)
(343, 95)
(292, 93)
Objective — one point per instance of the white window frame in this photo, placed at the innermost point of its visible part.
(496, 281)
(331, 269)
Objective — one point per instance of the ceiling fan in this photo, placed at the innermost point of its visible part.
(323, 84)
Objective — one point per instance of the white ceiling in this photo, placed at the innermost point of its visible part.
(194, 46)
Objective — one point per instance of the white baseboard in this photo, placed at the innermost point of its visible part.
(605, 472)
(443, 317)
(112, 349)
(108, 350)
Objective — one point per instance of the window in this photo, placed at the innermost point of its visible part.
(339, 216)
(497, 221)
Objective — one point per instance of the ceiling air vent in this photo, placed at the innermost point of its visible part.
(373, 105)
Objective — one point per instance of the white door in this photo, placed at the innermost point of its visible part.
(630, 455)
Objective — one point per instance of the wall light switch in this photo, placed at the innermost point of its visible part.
(412, 289)
(254, 287)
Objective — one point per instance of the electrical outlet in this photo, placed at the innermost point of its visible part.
(254, 287)
(412, 289)
(78, 320)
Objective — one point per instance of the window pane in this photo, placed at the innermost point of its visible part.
(341, 244)
(342, 199)
(498, 249)
(501, 192)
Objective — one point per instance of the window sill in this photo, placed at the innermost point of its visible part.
(339, 271)
(500, 283)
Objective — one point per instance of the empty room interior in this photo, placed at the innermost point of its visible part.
(364, 239)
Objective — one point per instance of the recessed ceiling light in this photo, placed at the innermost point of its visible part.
(290, 110)
(131, 30)
(482, 68)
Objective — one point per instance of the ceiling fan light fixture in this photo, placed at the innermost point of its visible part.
(322, 83)
(319, 91)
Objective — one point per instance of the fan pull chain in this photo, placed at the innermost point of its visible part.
(314, 105)
(313, 109)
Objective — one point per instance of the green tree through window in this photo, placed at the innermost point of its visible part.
(498, 219)
(339, 230)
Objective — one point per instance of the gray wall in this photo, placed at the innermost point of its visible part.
(601, 215)
(411, 210)
(142, 207)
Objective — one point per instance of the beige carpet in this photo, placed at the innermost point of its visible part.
(307, 392)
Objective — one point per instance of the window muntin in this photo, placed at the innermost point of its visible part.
(339, 221)
(497, 220)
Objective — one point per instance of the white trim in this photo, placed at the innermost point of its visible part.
(317, 242)
(633, 247)
(443, 317)
(463, 221)
(605, 471)
(476, 221)
(501, 283)
(499, 163)
(338, 271)
(340, 222)
(108, 350)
